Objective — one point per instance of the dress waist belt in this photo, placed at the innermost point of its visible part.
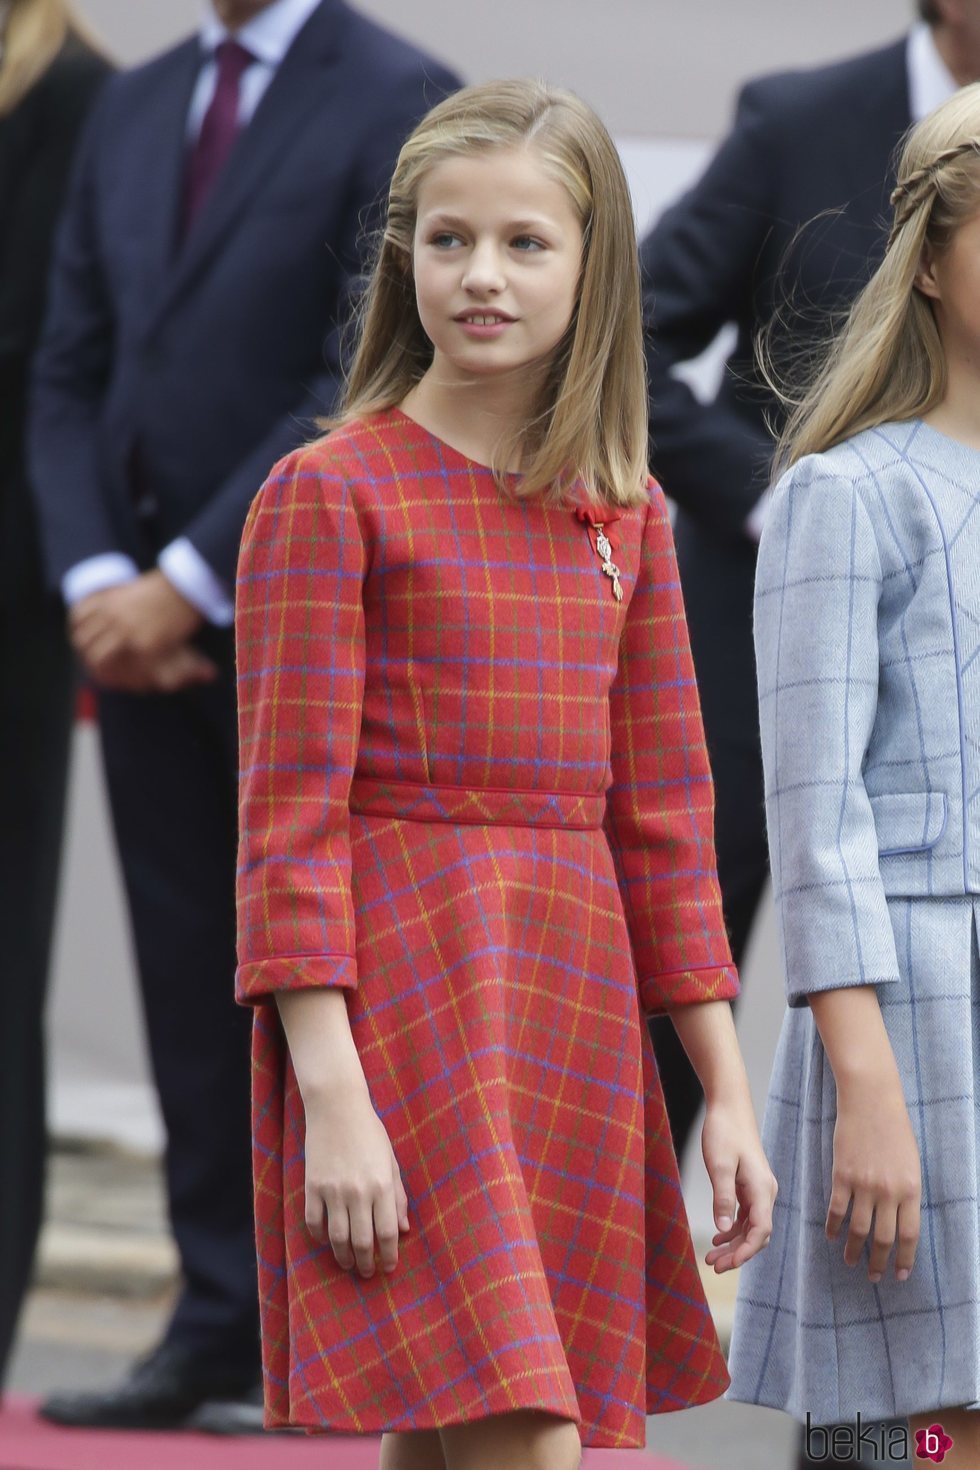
(479, 806)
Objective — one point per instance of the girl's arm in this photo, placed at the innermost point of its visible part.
(299, 629)
(818, 587)
(659, 824)
(321, 1047)
(299, 648)
(660, 805)
(742, 1183)
(354, 1190)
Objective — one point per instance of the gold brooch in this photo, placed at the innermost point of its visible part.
(603, 546)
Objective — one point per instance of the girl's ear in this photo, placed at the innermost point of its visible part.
(925, 275)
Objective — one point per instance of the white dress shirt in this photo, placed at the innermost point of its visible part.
(930, 84)
(268, 36)
(930, 81)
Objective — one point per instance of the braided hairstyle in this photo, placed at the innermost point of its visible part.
(922, 185)
(887, 361)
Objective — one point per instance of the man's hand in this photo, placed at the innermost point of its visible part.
(135, 637)
(163, 674)
(146, 616)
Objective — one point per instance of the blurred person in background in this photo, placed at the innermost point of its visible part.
(49, 76)
(212, 235)
(790, 217)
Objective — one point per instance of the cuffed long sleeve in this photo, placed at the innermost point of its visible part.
(660, 806)
(816, 634)
(299, 627)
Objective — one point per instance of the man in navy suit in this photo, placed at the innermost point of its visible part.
(207, 254)
(791, 215)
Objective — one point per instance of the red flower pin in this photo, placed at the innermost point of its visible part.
(597, 520)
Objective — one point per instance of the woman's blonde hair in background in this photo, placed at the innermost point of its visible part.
(887, 363)
(34, 34)
(589, 417)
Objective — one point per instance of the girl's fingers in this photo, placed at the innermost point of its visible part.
(860, 1227)
(883, 1239)
(756, 1239)
(361, 1213)
(722, 1239)
(314, 1215)
(909, 1213)
(759, 1232)
(723, 1189)
(720, 1236)
(339, 1235)
(386, 1230)
(401, 1197)
(840, 1199)
(751, 1233)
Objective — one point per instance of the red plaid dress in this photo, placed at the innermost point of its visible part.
(474, 792)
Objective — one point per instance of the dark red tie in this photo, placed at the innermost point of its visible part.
(218, 130)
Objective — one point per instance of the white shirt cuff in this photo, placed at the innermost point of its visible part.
(184, 566)
(756, 518)
(95, 574)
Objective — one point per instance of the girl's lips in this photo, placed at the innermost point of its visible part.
(479, 329)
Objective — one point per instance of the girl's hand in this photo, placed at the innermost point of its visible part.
(740, 1175)
(353, 1179)
(876, 1173)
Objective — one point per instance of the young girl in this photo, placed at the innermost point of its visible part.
(476, 842)
(868, 644)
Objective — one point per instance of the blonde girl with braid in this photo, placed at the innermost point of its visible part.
(866, 1307)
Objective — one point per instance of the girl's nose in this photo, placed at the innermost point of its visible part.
(484, 269)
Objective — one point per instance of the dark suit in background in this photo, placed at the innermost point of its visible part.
(807, 148)
(37, 140)
(172, 375)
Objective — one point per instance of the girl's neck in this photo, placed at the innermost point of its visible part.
(958, 415)
(471, 416)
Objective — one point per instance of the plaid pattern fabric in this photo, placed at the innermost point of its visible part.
(811, 1334)
(474, 792)
(867, 625)
(868, 641)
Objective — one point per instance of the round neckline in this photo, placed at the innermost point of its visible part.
(445, 446)
(946, 441)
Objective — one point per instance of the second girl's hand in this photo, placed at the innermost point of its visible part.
(877, 1171)
(353, 1183)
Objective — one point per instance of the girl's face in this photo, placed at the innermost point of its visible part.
(952, 280)
(496, 258)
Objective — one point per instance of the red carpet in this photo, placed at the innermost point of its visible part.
(26, 1443)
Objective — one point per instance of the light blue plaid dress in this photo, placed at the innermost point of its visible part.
(868, 644)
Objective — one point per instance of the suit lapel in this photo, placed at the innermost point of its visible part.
(165, 124)
(301, 82)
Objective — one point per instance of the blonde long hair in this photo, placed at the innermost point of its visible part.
(34, 34)
(589, 416)
(887, 363)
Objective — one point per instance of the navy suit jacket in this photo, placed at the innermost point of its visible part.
(213, 356)
(791, 214)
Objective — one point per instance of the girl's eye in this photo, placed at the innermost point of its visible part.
(442, 237)
(521, 240)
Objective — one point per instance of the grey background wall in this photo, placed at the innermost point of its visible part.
(663, 74)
